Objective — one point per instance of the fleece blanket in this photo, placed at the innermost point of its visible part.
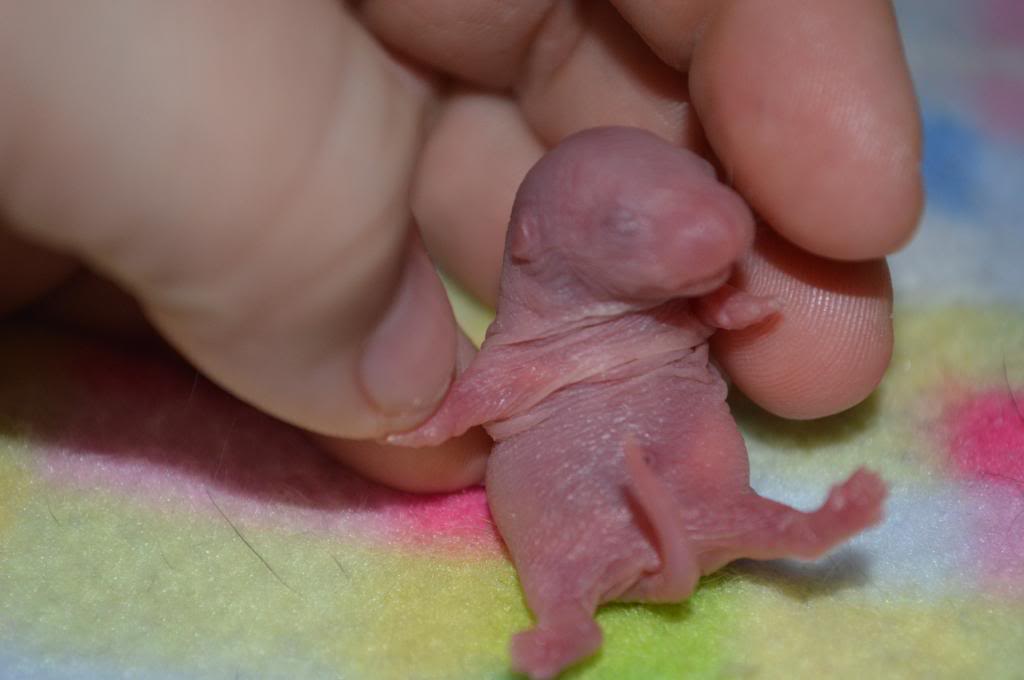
(153, 527)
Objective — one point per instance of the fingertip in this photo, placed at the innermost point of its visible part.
(408, 360)
(811, 110)
(829, 345)
(870, 213)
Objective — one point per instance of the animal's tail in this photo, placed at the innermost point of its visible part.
(679, 569)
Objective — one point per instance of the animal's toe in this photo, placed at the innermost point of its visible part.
(857, 503)
(865, 488)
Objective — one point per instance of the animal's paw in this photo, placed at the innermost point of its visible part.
(549, 648)
(436, 430)
(429, 434)
(858, 500)
(851, 507)
(730, 308)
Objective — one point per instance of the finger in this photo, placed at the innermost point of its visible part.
(478, 152)
(27, 271)
(830, 344)
(482, 42)
(811, 103)
(588, 67)
(669, 28)
(242, 169)
(810, 107)
(575, 64)
(456, 464)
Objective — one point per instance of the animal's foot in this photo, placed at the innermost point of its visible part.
(552, 646)
(426, 435)
(851, 507)
(435, 431)
(730, 308)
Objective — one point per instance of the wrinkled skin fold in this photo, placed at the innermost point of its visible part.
(618, 473)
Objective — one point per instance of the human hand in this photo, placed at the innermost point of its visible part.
(248, 172)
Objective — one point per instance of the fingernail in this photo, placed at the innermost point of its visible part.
(409, 359)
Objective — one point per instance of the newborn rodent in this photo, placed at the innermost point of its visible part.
(618, 473)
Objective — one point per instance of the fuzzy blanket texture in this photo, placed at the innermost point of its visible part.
(153, 527)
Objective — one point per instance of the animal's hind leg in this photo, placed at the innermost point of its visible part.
(782, 531)
(565, 634)
(563, 603)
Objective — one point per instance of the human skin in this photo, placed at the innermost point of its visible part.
(618, 472)
(247, 175)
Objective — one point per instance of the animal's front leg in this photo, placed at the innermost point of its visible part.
(730, 308)
(487, 391)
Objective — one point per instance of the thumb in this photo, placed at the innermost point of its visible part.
(242, 168)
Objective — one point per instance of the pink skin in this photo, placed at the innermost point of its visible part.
(618, 472)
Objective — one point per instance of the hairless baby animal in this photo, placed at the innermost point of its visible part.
(618, 473)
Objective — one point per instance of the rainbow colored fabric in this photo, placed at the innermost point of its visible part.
(153, 527)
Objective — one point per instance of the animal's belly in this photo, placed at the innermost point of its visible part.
(559, 489)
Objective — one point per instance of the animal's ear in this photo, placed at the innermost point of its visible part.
(522, 238)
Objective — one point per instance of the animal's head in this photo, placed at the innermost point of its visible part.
(618, 214)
